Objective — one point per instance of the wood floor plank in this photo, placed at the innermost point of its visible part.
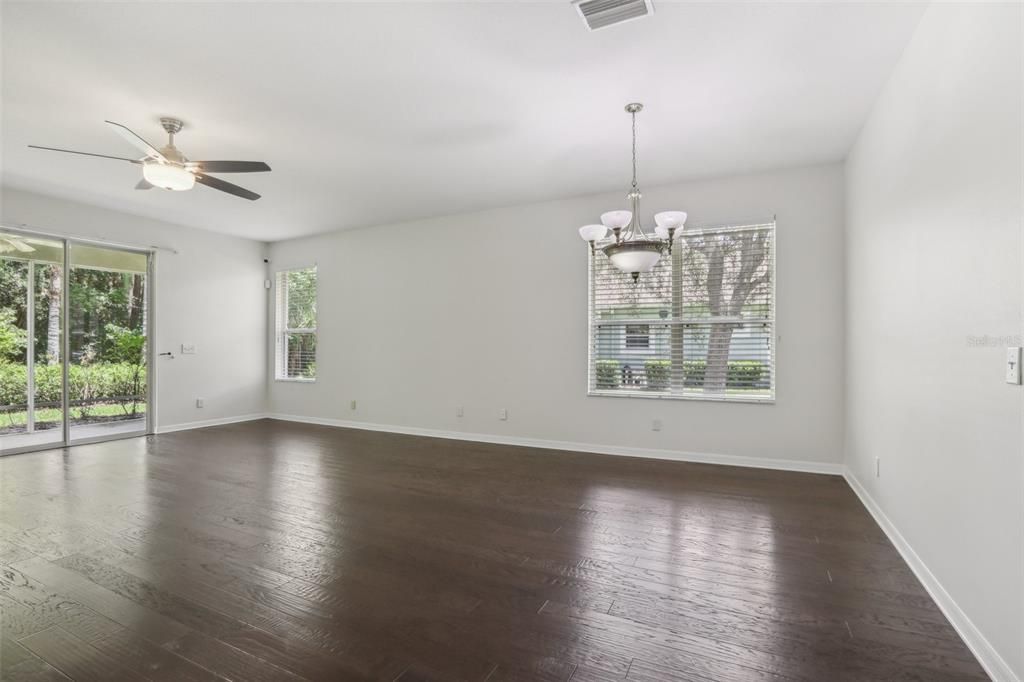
(14, 655)
(28, 606)
(534, 670)
(11, 552)
(31, 670)
(149, 623)
(583, 673)
(75, 658)
(150, 660)
(227, 661)
(280, 551)
(246, 625)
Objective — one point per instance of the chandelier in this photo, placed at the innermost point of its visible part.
(634, 251)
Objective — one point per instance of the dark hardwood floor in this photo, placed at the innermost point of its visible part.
(279, 551)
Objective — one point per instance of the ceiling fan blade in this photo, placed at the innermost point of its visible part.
(71, 151)
(18, 244)
(136, 141)
(143, 184)
(228, 166)
(223, 186)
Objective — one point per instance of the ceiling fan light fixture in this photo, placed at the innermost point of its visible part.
(168, 176)
(168, 168)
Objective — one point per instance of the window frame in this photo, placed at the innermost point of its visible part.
(282, 330)
(770, 399)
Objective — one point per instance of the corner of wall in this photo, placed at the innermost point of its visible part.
(268, 326)
(987, 655)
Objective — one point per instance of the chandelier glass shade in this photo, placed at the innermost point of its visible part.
(634, 251)
(593, 233)
(635, 255)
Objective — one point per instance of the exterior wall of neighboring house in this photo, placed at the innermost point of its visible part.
(634, 345)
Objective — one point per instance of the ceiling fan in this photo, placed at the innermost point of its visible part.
(169, 169)
(9, 242)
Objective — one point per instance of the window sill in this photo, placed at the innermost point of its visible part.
(295, 381)
(651, 395)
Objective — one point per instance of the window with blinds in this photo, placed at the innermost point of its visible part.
(296, 325)
(700, 325)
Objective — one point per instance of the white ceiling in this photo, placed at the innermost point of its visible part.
(373, 113)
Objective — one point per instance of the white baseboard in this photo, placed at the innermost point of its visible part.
(986, 654)
(170, 428)
(651, 453)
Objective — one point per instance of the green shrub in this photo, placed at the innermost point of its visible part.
(101, 382)
(125, 346)
(608, 373)
(745, 373)
(694, 372)
(12, 338)
(12, 384)
(740, 374)
(658, 373)
(49, 379)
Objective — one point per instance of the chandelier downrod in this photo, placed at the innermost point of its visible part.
(634, 109)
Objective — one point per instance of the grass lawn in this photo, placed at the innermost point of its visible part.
(49, 415)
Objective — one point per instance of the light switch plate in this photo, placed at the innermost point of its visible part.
(1013, 365)
(188, 349)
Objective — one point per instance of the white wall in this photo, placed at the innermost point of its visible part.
(489, 310)
(210, 293)
(933, 258)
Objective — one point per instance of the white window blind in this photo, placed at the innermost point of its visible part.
(700, 325)
(296, 324)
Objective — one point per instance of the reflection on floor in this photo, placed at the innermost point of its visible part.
(78, 432)
(278, 551)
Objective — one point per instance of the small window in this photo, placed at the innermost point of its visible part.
(296, 325)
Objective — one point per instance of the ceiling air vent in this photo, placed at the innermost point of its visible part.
(602, 13)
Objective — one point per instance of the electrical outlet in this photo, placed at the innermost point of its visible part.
(878, 467)
(656, 425)
(1013, 365)
(458, 411)
(352, 405)
(503, 414)
(199, 402)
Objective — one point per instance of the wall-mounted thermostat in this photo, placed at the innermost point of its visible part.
(1013, 365)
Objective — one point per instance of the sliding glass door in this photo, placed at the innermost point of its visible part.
(107, 293)
(31, 342)
(74, 321)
